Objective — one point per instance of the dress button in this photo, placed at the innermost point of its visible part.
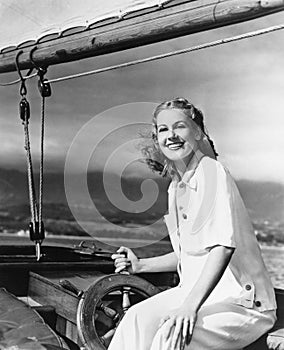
(248, 287)
(181, 185)
(180, 207)
(184, 216)
(257, 303)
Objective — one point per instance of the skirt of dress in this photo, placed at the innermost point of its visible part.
(219, 326)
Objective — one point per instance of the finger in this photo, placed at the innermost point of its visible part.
(120, 268)
(121, 261)
(191, 325)
(177, 333)
(190, 330)
(182, 343)
(117, 256)
(169, 324)
(185, 330)
(123, 250)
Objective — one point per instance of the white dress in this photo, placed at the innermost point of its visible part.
(205, 210)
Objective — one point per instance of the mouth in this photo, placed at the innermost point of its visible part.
(173, 146)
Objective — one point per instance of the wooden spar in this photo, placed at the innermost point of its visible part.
(171, 21)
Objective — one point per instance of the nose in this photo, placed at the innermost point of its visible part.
(171, 134)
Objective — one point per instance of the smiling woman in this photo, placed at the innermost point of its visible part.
(92, 126)
(183, 121)
(225, 298)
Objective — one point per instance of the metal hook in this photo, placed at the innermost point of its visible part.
(23, 89)
(44, 87)
(17, 64)
(41, 70)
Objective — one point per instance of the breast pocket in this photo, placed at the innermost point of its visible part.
(191, 240)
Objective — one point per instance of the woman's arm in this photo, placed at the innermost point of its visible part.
(217, 261)
(167, 262)
(126, 259)
(180, 322)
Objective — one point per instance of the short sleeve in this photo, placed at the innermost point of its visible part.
(212, 221)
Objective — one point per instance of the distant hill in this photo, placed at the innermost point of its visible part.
(264, 200)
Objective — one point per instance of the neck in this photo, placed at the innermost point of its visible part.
(190, 164)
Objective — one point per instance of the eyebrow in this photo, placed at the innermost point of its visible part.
(179, 121)
(158, 126)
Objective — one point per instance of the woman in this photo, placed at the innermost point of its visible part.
(225, 299)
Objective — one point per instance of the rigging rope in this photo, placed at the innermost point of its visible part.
(32, 195)
(26, 77)
(173, 53)
(41, 163)
(24, 109)
(36, 226)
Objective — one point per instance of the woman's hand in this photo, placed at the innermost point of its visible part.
(125, 259)
(179, 324)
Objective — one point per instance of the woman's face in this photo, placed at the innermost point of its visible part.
(177, 136)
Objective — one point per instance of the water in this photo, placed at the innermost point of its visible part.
(274, 261)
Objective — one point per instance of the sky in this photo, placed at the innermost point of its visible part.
(239, 87)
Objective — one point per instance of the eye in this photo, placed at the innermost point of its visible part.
(162, 129)
(180, 125)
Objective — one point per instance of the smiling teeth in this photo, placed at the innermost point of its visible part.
(175, 146)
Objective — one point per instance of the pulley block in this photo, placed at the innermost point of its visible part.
(24, 108)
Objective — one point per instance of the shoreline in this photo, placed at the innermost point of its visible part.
(77, 239)
(62, 238)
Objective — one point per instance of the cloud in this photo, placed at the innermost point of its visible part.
(239, 87)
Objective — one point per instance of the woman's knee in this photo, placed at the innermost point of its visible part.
(138, 312)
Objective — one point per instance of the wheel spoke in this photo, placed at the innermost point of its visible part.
(106, 338)
(109, 312)
(125, 299)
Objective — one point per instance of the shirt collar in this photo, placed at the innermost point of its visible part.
(188, 177)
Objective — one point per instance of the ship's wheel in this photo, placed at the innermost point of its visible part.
(103, 305)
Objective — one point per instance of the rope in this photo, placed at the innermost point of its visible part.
(32, 197)
(41, 163)
(18, 80)
(173, 53)
(36, 226)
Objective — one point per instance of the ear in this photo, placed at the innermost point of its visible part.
(154, 137)
(197, 134)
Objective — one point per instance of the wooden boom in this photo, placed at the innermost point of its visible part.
(138, 28)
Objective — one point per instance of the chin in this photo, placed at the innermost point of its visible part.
(177, 156)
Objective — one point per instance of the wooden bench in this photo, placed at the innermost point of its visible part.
(22, 328)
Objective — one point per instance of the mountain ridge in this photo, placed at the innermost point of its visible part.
(264, 200)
